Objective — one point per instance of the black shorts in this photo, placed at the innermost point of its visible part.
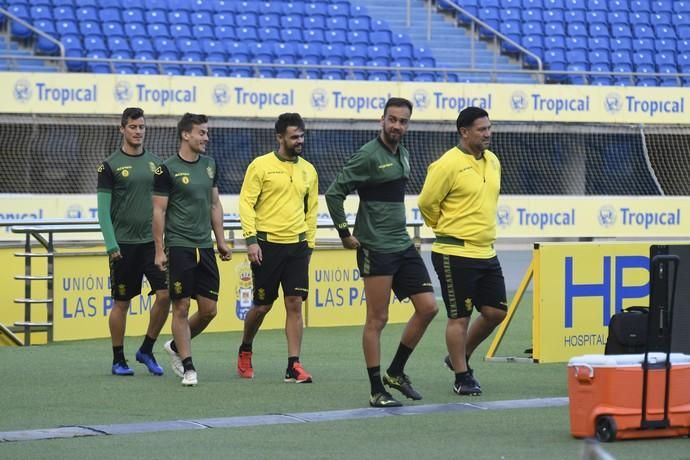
(407, 268)
(283, 264)
(127, 273)
(193, 272)
(468, 283)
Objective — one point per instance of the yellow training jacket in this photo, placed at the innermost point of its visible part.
(458, 201)
(279, 200)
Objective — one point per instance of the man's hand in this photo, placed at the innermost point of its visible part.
(350, 242)
(114, 256)
(254, 254)
(161, 261)
(224, 251)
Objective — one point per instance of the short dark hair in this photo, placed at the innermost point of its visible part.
(186, 124)
(288, 119)
(131, 113)
(468, 115)
(397, 102)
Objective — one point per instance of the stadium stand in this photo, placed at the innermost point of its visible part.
(572, 37)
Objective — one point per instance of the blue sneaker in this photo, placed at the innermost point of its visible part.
(122, 369)
(150, 362)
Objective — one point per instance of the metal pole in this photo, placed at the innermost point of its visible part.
(428, 20)
(409, 13)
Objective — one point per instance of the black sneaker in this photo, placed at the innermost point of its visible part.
(449, 365)
(383, 399)
(402, 384)
(468, 387)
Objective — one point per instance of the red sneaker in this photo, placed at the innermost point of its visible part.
(297, 374)
(244, 365)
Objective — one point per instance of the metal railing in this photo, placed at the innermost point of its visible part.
(43, 232)
(61, 47)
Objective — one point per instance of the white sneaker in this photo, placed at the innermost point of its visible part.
(189, 379)
(175, 361)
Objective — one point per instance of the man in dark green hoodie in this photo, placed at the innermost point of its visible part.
(386, 256)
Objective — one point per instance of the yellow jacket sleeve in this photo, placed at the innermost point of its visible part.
(438, 182)
(249, 194)
(312, 209)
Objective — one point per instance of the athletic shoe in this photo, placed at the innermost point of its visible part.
(189, 379)
(297, 374)
(175, 361)
(402, 384)
(122, 369)
(449, 365)
(467, 387)
(383, 399)
(150, 362)
(244, 365)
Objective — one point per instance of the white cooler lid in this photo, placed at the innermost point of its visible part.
(627, 360)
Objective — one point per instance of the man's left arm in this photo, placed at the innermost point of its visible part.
(312, 209)
(217, 225)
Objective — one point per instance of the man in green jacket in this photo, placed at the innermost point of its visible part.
(386, 257)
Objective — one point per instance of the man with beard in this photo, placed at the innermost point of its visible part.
(278, 207)
(458, 201)
(386, 256)
(186, 208)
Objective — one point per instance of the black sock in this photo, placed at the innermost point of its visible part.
(375, 379)
(245, 347)
(399, 360)
(119, 355)
(292, 360)
(467, 362)
(173, 346)
(187, 364)
(461, 376)
(147, 345)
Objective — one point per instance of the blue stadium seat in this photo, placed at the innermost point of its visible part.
(86, 14)
(336, 36)
(316, 9)
(64, 13)
(535, 28)
(559, 16)
(359, 23)
(286, 73)
(662, 6)
(575, 17)
(333, 50)
(246, 20)
(553, 4)
(357, 51)
(577, 29)
(262, 51)
(643, 44)
(133, 15)
(551, 29)
(530, 15)
(599, 57)
(291, 35)
(663, 31)
(246, 33)
(285, 50)
(596, 16)
(682, 6)
(338, 8)
(600, 81)
(314, 22)
(599, 43)
(41, 12)
(647, 81)
(94, 44)
(596, 5)
(533, 4)
(657, 19)
(358, 37)
(554, 42)
(575, 43)
(617, 17)
(683, 61)
(269, 34)
(265, 73)
(665, 44)
(113, 28)
(180, 5)
(332, 74)
(639, 5)
(202, 18)
(291, 21)
(680, 19)
(509, 14)
(621, 31)
(118, 44)
(224, 19)
(309, 49)
(683, 32)
(269, 20)
(224, 32)
(621, 44)
(314, 36)
(619, 5)
(141, 44)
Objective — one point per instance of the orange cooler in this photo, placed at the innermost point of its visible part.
(605, 393)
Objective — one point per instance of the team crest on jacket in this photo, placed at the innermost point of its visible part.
(209, 171)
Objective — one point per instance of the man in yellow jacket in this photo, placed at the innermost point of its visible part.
(278, 208)
(458, 201)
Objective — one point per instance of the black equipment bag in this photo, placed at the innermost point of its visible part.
(628, 332)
